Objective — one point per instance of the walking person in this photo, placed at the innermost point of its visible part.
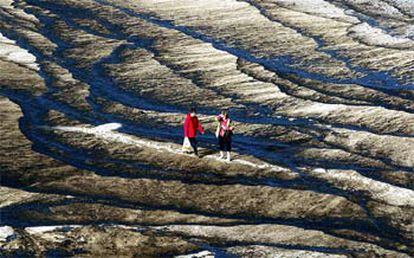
(224, 134)
(191, 126)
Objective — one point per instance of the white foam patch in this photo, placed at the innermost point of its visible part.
(23, 57)
(319, 170)
(376, 36)
(5, 232)
(6, 3)
(10, 51)
(352, 180)
(45, 229)
(40, 230)
(202, 254)
(251, 164)
(105, 132)
(108, 127)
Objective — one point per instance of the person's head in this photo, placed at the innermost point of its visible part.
(192, 112)
(225, 114)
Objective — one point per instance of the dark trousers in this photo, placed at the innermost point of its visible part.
(193, 142)
(225, 143)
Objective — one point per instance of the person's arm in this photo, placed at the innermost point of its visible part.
(230, 125)
(199, 127)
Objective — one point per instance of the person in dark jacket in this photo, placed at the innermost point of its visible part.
(224, 134)
(191, 126)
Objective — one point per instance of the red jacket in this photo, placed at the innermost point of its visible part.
(191, 125)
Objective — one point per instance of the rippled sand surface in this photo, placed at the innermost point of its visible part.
(93, 94)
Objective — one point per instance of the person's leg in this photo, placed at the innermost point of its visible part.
(193, 143)
(221, 145)
(221, 154)
(228, 156)
(228, 148)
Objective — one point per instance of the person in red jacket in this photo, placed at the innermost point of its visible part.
(191, 126)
